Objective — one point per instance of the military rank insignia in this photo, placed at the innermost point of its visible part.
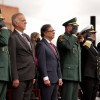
(61, 38)
(87, 43)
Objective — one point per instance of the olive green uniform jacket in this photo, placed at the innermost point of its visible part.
(70, 57)
(4, 55)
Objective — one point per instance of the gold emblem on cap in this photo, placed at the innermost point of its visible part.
(75, 19)
(92, 27)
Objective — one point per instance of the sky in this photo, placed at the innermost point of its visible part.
(56, 12)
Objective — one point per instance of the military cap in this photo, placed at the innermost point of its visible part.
(1, 15)
(71, 22)
(89, 28)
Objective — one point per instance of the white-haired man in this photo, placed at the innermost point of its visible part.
(22, 59)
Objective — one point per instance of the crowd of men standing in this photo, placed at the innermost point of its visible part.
(72, 64)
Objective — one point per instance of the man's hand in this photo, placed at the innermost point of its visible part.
(60, 82)
(47, 83)
(15, 83)
(34, 81)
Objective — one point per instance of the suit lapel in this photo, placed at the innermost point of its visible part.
(56, 51)
(32, 47)
(25, 46)
(93, 50)
(29, 41)
(50, 47)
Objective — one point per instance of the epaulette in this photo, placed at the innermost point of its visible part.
(4, 28)
(61, 37)
(87, 43)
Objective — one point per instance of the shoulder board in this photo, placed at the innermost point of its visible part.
(4, 28)
(87, 43)
(61, 37)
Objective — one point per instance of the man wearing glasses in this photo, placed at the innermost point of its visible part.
(49, 65)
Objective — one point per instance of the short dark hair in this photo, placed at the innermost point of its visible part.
(44, 29)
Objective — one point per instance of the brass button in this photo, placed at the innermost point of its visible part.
(2, 49)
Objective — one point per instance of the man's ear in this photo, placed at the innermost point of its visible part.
(45, 33)
(16, 23)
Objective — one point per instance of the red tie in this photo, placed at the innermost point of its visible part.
(53, 48)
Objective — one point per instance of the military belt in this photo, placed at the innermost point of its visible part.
(4, 49)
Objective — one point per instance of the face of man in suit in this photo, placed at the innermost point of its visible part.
(20, 23)
(49, 34)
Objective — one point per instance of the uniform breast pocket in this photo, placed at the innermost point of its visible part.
(3, 63)
(74, 50)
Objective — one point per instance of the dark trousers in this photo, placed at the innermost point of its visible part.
(69, 90)
(3, 88)
(89, 87)
(23, 92)
(48, 92)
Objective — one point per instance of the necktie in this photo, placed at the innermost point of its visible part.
(26, 40)
(53, 48)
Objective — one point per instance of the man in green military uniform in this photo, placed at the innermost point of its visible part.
(4, 58)
(70, 58)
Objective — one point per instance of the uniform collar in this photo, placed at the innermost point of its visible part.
(47, 40)
(19, 32)
(67, 34)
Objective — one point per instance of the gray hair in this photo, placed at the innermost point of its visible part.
(14, 18)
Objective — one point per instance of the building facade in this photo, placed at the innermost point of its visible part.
(7, 12)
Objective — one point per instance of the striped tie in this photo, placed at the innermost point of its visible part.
(26, 40)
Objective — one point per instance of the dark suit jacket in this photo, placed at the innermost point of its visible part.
(89, 61)
(22, 58)
(48, 62)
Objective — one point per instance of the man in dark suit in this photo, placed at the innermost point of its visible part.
(22, 60)
(89, 55)
(49, 66)
(4, 58)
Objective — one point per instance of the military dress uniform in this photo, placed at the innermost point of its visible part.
(70, 59)
(4, 61)
(98, 60)
(90, 66)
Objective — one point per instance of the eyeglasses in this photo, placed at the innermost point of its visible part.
(51, 31)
